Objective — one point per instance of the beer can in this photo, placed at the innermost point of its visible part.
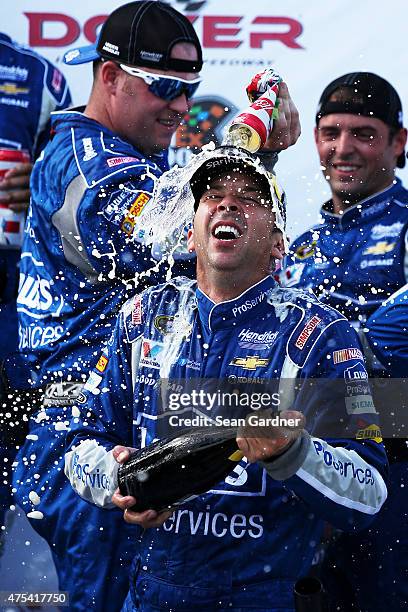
(11, 222)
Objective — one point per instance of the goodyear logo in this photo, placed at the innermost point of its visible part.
(380, 248)
(249, 363)
(134, 211)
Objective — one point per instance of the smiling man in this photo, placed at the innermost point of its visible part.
(356, 256)
(80, 253)
(354, 259)
(243, 544)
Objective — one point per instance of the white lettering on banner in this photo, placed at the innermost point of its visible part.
(35, 336)
(34, 293)
(219, 524)
(215, 35)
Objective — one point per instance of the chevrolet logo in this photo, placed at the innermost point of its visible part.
(249, 363)
(12, 89)
(380, 248)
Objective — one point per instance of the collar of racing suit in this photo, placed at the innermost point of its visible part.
(74, 118)
(371, 207)
(229, 313)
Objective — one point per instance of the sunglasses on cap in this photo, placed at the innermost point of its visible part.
(164, 87)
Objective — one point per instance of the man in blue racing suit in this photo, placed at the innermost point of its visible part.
(354, 259)
(30, 89)
(243, 544)
(81, 253)
(84, 250)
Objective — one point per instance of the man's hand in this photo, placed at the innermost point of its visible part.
(286, 129)
(16, 185)
(262, 442)
(146, 519)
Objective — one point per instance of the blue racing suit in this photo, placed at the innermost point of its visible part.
(387, 333)
(354, 262)
(81, 252)
(30, 89)
(357, 260)
(243, 544)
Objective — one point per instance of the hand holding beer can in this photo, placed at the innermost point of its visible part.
(11, 222)
(251, 128)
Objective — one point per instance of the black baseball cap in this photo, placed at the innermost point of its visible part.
(370, 96)
(225, 161)
(228, 158)
(142, 34)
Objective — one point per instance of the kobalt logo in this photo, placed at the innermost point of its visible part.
(370, 263)
(252, 340)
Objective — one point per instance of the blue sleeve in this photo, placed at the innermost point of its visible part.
(387, 333)
(105, 411)
(108, 220)
(102, 420)
(340, 466)
(56, 96)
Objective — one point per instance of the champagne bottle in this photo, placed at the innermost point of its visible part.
(170, 471)
(251, 128)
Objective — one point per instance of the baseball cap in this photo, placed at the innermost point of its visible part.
(142, 33)
(234, 159)
(370, 96)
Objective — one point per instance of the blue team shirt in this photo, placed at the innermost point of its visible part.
(30, 89)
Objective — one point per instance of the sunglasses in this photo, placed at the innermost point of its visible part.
(164, 87)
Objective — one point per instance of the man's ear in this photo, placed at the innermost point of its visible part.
(190, 241)
(399, 141)
(278, 245)
(316, 135)
(110, 73)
